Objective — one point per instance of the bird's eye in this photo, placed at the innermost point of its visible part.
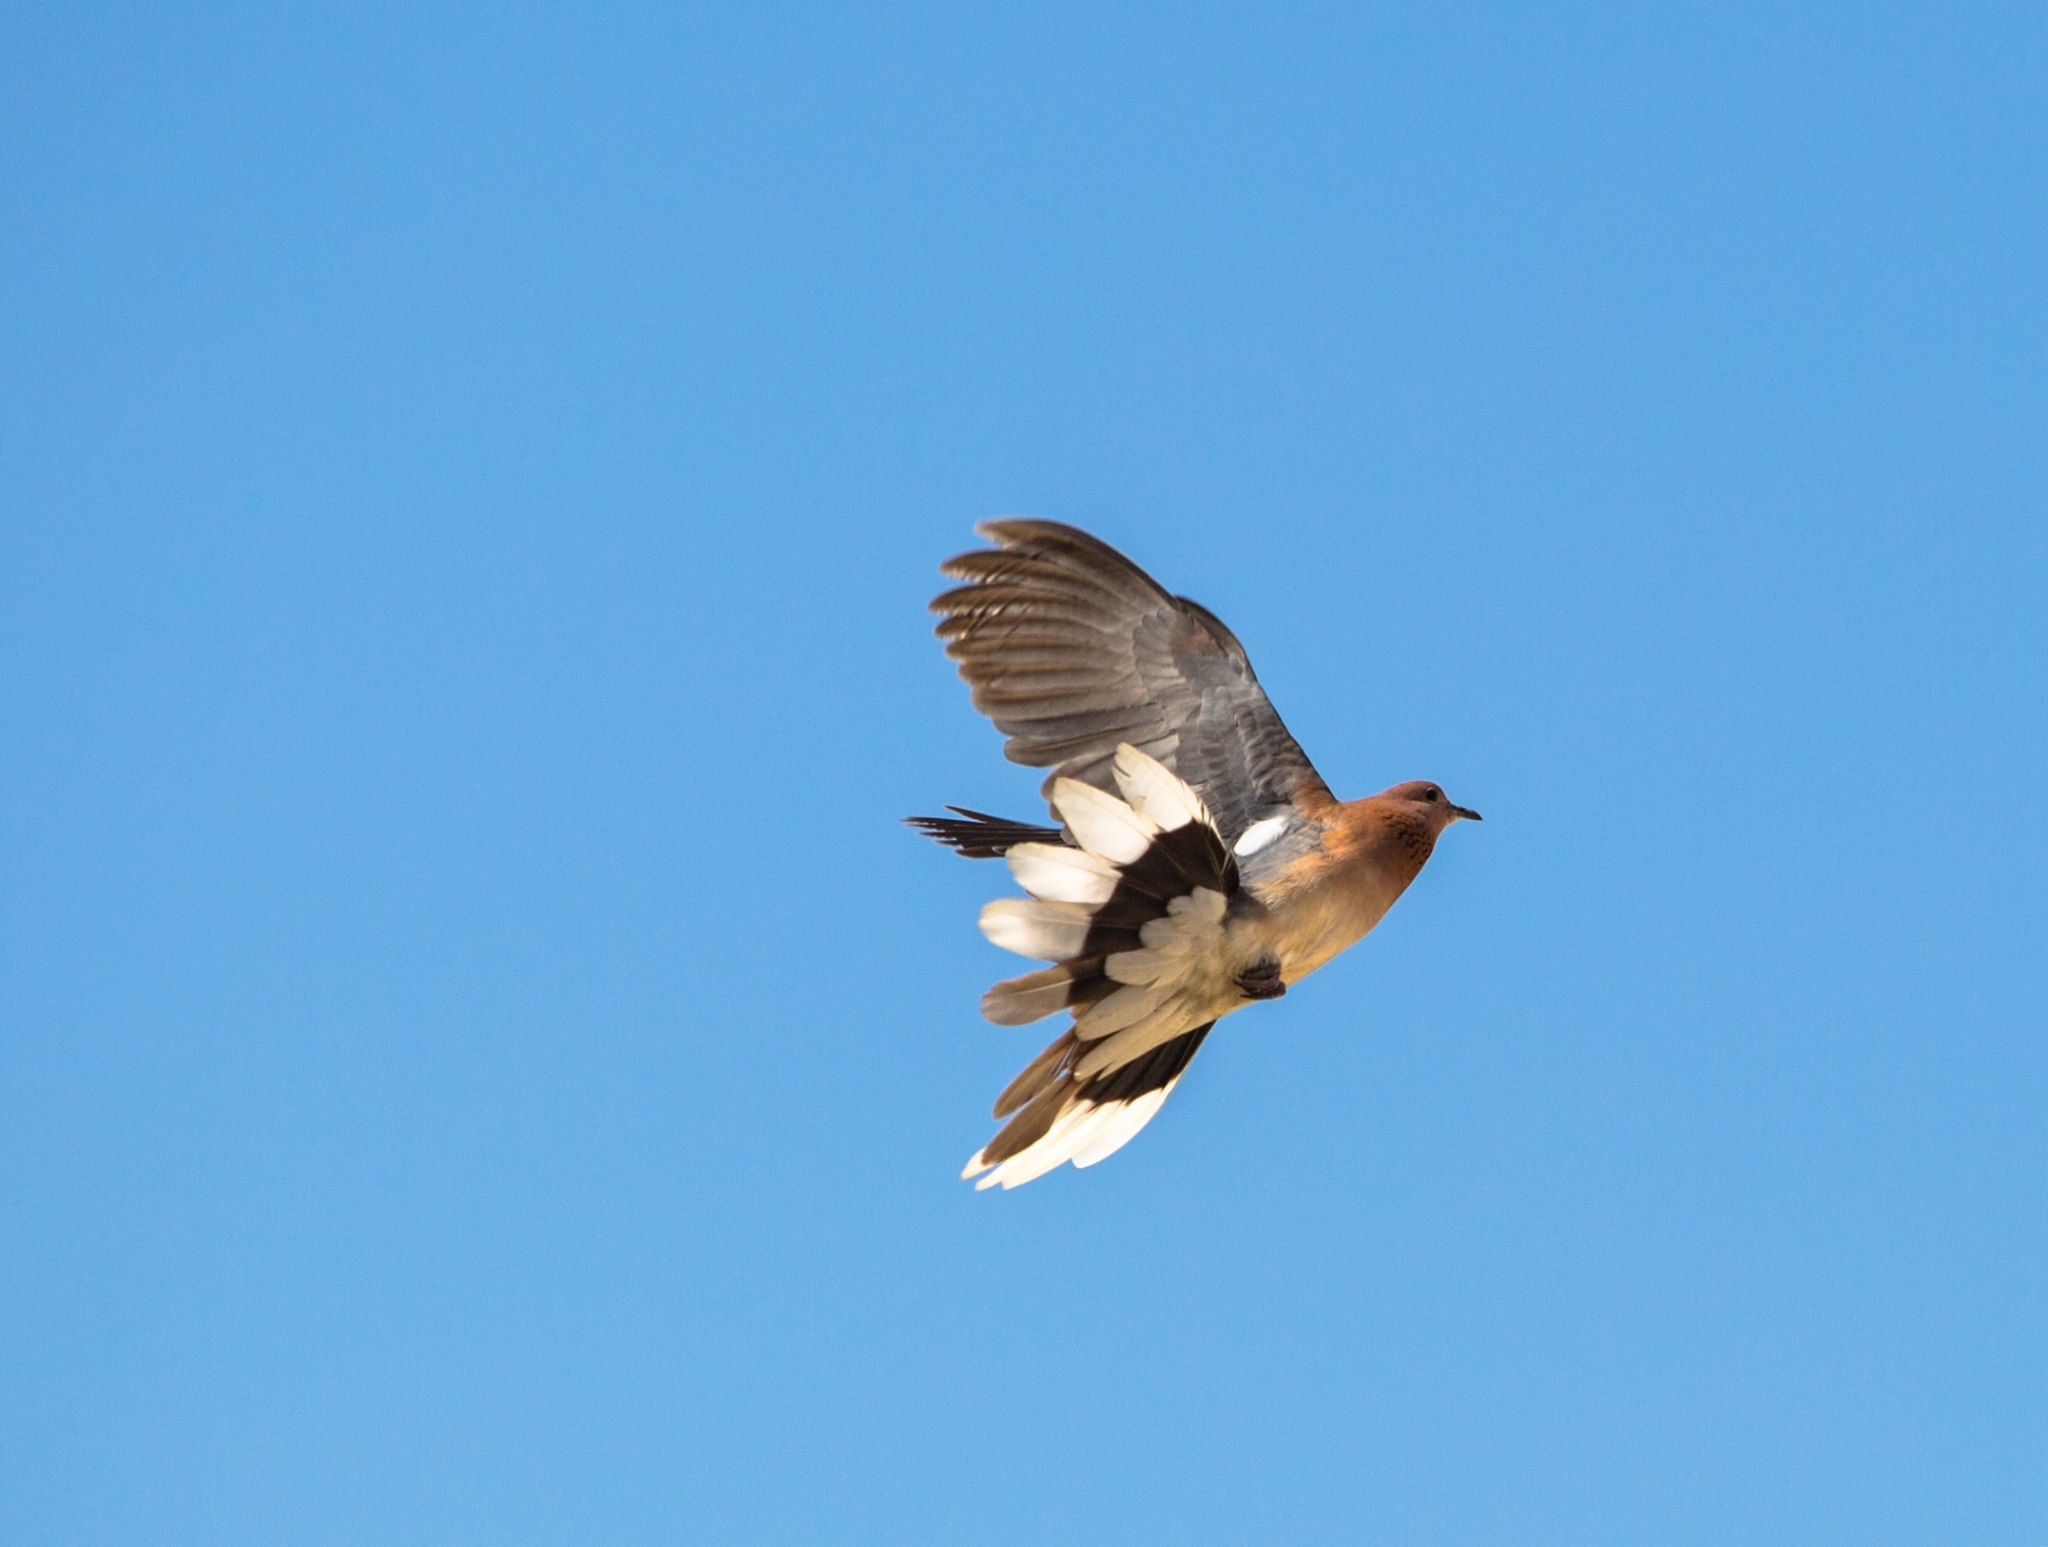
(1432, 794)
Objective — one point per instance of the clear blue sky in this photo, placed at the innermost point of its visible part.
(481, 1062)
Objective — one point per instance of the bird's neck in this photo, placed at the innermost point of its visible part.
(1370, 850)
(1376, 836)
(1368, 855)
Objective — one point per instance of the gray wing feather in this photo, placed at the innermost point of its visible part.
(1071, 649)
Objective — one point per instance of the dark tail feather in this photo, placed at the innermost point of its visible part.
(1047, 1089)
(977, 835)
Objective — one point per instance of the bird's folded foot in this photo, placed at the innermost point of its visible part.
(1261, 980)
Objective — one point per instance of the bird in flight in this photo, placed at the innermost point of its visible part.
(1200, 864)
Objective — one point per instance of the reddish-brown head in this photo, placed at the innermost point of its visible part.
(1428, 803)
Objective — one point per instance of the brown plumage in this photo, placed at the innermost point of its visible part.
(1200, 864)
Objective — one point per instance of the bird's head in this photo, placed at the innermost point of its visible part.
(1429, 804)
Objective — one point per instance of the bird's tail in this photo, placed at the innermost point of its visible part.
(1129, 913)
(977, 835)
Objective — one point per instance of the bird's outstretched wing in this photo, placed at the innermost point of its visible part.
(1072, 649)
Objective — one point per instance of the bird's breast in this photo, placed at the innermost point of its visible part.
(1308, 928)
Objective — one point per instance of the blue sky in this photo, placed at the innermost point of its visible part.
(482, 1062)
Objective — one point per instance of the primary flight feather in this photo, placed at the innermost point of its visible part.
(1200, 862)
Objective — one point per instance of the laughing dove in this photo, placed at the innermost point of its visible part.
(1200, 864)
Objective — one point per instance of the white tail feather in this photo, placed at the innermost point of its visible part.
(1057, 873)
(1051, 931)
(1123, 1127)
(1154, 792)
(1103, 824)
(1166, 988)
(1086, 1134)
(1070, 1132)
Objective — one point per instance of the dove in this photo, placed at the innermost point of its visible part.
(1198, 863)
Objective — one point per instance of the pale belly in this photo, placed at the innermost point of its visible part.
(1307, 932)
(1302, 933)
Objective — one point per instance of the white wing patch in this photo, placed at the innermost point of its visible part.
(1258, 836)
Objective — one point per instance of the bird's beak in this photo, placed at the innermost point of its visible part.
(1468, 815)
